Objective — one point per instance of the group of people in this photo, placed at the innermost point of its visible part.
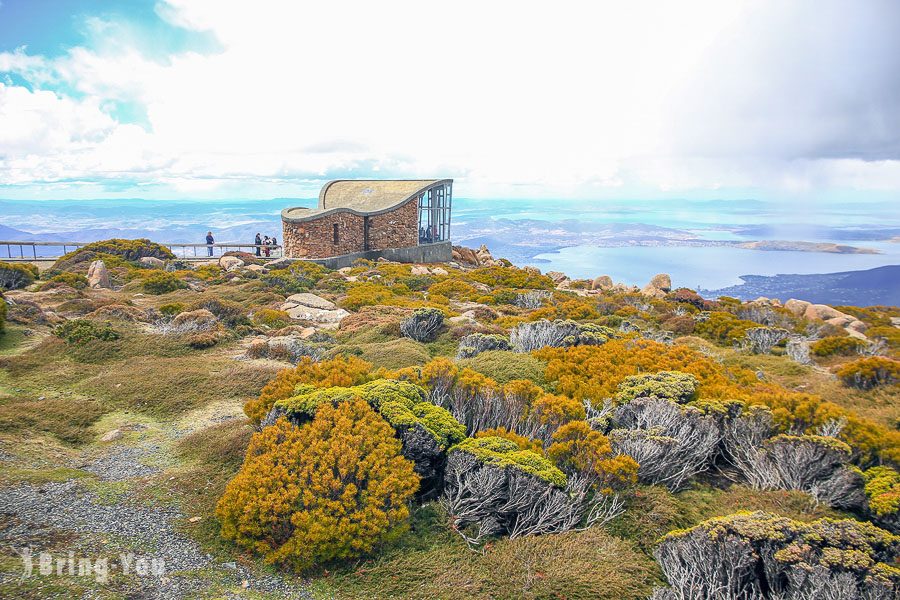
(265, 244)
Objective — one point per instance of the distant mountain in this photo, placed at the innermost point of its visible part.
(860, 288)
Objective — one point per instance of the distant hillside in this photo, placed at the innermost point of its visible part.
(861, 288)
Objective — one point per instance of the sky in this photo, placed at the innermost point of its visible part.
(168, 99)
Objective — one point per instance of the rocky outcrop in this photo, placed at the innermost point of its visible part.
(98, 275)
(230, 263)
(658, 287)
(309, 307)
(603, 283)
(152, 262)
(822, 312)
(474, 258)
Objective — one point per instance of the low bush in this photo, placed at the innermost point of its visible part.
(423, 325)
(723, 327)
(837, 346)
(14, 276)
(670, 443)
(578, 449)
(764, 556)
(72, 280)
(868, 373)
(561, 333)
(511, 277)
(339, 371)
(161, 282)
(504, 366)
(761, 340)
(334, 489)
(82, 331)
(270, 317)
(300, 276)
(2, 313)
(476, 343)
(231, 314)
(883, 494)
(664, 385)
(493, 487)
(172, 308)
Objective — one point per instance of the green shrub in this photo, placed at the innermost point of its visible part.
(723, 327)
(867, 373)
(172, 308)
(81, 331)
(401, 403)
(161, 282)
(2, 313)
(73, 280)
(837, 346)
(14, 276)
(665, 385)
(503, 366)
(511, 277)
(271, 318)
(231, 314)
(506, 454)
(300, 276)
(883, 490)
(395, 354)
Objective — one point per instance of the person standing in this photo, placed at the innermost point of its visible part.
(266, 242)
(274, 244)
(258, 243)
(209, 242)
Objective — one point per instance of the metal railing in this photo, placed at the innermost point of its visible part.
(31, 251)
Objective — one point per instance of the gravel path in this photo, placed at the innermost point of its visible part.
(67, 508)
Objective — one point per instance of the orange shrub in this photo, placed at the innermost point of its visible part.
(345, 371)
(577, 448)
(594, 372)
(557, 410)
(520, 440)
(333, 489)
(867, 373)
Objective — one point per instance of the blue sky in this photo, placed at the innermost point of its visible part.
(795, 100)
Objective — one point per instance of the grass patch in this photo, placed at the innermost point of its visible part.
(166, 387)
(432, 562)
(10, 339)
(14, 475)
(504, 366)
(69, 419)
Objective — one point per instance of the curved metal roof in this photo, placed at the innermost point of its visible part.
(362, 197)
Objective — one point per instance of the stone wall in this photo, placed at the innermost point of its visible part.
(315, 238)
(398, 228)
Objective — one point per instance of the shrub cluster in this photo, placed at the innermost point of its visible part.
(333, 489)
(423, 325)
(665, 385)
(81, 331)
(161, 282)
(837, 346)
(476, 343)
(14, 276)
(2, 313)
(763, 556)
(72, 280)
(867, 373)
(535, 335)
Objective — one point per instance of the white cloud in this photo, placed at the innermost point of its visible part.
(581, 98)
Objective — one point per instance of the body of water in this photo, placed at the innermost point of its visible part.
(579, 237)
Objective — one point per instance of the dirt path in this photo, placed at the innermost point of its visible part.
(96, 513)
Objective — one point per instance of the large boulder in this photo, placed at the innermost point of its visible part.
(603, 282)
(797, 307)
(484, 256)
(658, 287)
(152, 262)
(420, 270)
(307, 299)
(465, 256)
(230, 263)
(98, 275)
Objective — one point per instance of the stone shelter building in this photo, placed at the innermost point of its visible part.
(402, 220)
